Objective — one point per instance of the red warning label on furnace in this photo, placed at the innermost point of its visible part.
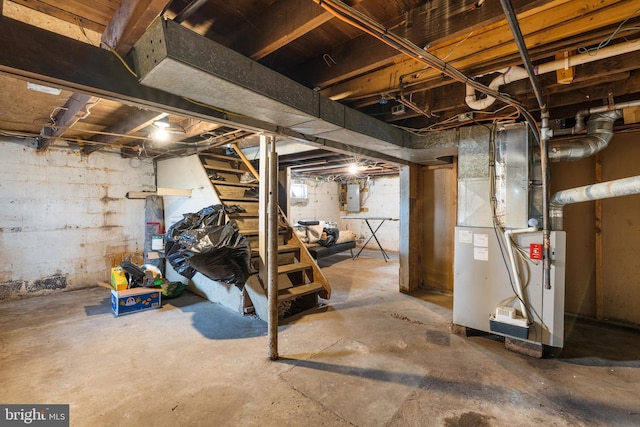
(535, 251)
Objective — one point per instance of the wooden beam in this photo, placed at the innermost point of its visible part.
(91, 17)
(160, 191)
(73, 110)
(126, 26)
(411, 228)
(615, 69)
(599, 273)
(194, 127)
(130, 21)
(31, 53)
(628, 88)
(541, 26)
(423, 25)
(282, 23)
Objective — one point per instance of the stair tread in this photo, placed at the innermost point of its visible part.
(243, 215)
(221, 157)
(223, 169)
(292, 268)
(282, 249)
(239, 199)
(235, 184)
(255, 232)
(298, 291)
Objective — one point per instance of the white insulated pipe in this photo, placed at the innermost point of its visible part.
(602, 190)
(547, 67)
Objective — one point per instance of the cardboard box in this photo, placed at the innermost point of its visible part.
(136, 299)
(118, 279)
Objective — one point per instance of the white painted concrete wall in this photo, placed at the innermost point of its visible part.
(64, 217)
(188, 173)
(184, 173)
(382, 199)
(322, 204)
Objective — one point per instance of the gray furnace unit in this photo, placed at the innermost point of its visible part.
(498, 285)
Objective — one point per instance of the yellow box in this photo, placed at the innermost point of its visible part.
(118, 279)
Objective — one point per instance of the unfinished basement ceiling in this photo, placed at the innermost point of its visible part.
(306, 43)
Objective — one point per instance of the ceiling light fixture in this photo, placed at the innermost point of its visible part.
(44, 89)
(162, 122)
(353, 168)
(160, 134)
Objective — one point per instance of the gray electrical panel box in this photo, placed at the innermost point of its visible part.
(353, 198)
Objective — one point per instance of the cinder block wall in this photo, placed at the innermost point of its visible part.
(64, 218)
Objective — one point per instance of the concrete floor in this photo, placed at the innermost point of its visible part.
(371, 357)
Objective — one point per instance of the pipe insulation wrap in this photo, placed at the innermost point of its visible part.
(603, 190)
(599, 133)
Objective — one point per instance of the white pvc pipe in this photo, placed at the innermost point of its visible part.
(507, 75)
(514, 268)
(547, 67)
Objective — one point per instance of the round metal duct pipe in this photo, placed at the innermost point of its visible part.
(599, 133)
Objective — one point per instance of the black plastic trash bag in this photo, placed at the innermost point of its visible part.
(202, 242)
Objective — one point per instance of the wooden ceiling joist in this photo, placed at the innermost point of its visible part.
(420, 25)
(130, 21)
(282, 23)
(563, 20)
(91, 15)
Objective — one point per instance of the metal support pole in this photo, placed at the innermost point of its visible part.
(272, 248)
(546, 223)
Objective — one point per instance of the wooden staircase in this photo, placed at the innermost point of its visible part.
(300, 281)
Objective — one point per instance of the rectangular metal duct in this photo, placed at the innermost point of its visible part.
(179, 61)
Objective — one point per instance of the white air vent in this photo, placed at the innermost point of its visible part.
(505, 312)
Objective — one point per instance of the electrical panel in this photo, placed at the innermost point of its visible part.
(353, 198)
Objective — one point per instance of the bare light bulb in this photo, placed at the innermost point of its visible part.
(160, 135)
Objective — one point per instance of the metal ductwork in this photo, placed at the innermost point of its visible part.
(603, 190)
(177, 60)
(599, 133)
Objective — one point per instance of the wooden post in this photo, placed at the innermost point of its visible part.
(599, 277)
(411, 226)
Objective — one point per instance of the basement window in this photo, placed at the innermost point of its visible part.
(298, 192)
